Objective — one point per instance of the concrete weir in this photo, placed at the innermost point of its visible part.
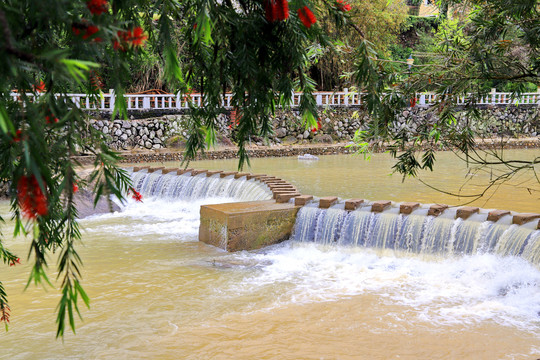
(255, 224)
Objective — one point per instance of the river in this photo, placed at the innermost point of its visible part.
(157, 293)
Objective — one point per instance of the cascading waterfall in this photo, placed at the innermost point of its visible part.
(187, 187)
(415, 233)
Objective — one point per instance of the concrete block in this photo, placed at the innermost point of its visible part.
(302, 200)
(285, 197)
(408, 207)
(183, 171)
(169, 171)
(247, 225)
(437, 209)
(239, 175)
(275, 193)
(255, 176)
(353, 204)
(213, 172)
(380, 206)
(466, 211)
(520, 219)
(496, 215)
(139, 168)
(197, 172)
(151, 170)
(326, 202)
(227, 173)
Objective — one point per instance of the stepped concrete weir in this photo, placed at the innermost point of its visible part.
(271, 210)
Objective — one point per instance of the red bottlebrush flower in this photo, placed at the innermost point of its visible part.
(306, 16)
(76, 30)
(343, 6)
(136, 195)
(91, 30)
(118, 46)
(14, 262)
(413, 102)
(31, 199)
(18, 136)
(4, 312)
(51, 119)
(271, 10)
(95, 81)
(282, 10)
(40, 87)
(135, 38)
(75, 187)
(97, 7)
(138, 37)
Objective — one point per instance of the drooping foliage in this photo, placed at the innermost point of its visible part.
(485, 44)
(256, 49)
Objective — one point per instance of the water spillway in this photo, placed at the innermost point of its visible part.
(417, 232)
(196, 184)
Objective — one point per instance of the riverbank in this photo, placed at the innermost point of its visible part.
(256, 151)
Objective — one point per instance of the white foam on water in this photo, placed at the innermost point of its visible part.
(154, 216)
(462, 290)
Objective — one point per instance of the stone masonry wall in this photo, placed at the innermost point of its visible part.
(338, 125)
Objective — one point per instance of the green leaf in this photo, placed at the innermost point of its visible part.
(5, 123)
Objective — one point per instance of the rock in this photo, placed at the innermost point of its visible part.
(118, 132)
(306, 134)
(148, 144)
(123, 137)
(126, 124)
(281, 132)
(105, 130)
(323, 139)
(152, 134)
(84, 202)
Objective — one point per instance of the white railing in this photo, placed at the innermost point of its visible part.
(105, 102)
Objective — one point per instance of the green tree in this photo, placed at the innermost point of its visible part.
(497, 42)
(257, 49)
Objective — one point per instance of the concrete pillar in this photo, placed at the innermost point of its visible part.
(285, 197)
(139, 168)
(380, 206)
(302, 200)
(197, 172)
(151, 170)
(227, 173)
(521, 219)
(466, 211)
(437, 209)
(255, 176)
(210, 173)
(183, 171)
(239, 175)
(353, 204)
(326, 202)
(408, 207)
(496, 215)
(248, 225)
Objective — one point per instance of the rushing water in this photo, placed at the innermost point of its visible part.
(417, 233)
(157, 293)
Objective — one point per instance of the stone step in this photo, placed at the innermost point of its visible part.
(326, 202)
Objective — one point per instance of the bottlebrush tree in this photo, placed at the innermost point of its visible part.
(256, 49)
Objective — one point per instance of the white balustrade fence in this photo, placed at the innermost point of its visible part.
(105, 102)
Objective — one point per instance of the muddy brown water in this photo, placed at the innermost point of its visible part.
(157, 293)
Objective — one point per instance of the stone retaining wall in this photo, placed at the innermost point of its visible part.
(164, 155)
(338, 124)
